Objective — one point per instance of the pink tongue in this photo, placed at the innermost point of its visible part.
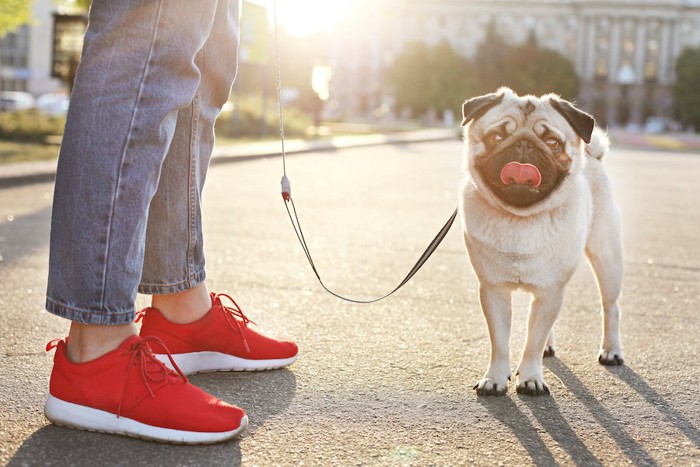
(521, 174)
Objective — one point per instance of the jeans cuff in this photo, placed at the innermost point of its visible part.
(102, 318)
(164, 289)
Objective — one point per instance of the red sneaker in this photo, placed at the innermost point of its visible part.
(222, 340)
(130, 392)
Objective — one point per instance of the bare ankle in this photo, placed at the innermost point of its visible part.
(87, 342)
(184, 307)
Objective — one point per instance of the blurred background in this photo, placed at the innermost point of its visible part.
(363, 66)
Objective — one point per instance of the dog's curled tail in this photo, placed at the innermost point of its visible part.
(599, 145)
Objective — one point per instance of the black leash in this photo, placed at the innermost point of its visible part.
(421, 261)
(294, 217)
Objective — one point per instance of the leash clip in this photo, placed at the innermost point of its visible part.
(286, 188)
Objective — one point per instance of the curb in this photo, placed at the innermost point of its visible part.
(26, 173)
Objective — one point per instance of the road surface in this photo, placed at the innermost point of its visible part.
(391, 383)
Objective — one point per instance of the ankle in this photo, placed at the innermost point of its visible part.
(184, 307)
(88, 342)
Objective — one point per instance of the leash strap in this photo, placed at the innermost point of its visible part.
(294, 217)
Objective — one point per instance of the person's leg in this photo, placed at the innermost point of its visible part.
(137, 72)
(88, 342)
(203, 332)
(173, 271)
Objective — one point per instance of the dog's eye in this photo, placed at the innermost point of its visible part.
(494, 139)
(553, 144)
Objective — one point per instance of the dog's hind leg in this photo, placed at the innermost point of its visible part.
(550, 348)
(496, 305)
(604, 252)
(606, 262)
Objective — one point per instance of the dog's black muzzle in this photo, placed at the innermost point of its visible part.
(517, 184)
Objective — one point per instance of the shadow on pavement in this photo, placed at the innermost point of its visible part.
(636, 382)
(633, 450)
(505, 410)
(53, 445)
(262, 395)
(547, 413)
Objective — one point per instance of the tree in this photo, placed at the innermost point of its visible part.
(534, 70)
(13, 14)
(491, 61)
(526, 68)
(425, 77)
(686, 91)
(77, 5)
(83, 4)
(438, 78)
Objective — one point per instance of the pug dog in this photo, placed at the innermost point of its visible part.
(534, 198)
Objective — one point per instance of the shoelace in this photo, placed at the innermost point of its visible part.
(140, 353)
(140, 315)
(233, 315)
(152, 369)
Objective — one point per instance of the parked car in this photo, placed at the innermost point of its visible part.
(16, 100)
(662, 125)
(53, 103)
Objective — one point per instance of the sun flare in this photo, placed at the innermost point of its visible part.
(303, 17)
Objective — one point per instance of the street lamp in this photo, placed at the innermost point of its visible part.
(321, 85)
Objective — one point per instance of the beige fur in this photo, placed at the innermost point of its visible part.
(537, 248)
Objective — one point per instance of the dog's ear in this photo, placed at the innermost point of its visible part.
(579, 120)
(477, 106)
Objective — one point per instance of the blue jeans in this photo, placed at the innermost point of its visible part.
(139, 134)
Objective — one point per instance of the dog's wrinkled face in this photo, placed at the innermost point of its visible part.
(523, 148)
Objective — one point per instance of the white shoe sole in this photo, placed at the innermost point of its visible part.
(71, 415)
(201, 362)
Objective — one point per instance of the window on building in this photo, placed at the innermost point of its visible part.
(14, 48)
(652, 51)
(628, 41)
(602, 48)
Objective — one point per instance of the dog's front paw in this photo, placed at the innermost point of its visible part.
(532, 387)
(611, 357)
(489, 387)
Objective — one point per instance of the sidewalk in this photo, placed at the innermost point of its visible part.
(683, 142)
(22, 173)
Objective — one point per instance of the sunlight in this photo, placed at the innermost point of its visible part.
(304, 17)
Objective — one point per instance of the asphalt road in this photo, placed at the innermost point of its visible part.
(391, 383)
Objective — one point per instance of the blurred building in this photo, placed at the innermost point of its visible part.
(624, 51)
(25, 54)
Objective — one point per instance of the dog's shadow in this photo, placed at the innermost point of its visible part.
(653, 398)
(627, 444)
(547, 413)
(262, 395)
(508, 413)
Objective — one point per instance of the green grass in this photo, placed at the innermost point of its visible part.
(11, 151)
(16, 151)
